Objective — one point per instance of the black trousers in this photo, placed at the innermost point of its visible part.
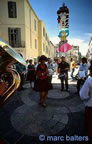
(80, 82)
(22, 81)
(65, 79)
(50, 78)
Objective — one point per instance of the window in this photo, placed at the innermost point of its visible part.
(14, 37)
(44, 32)
(34, 24)
(49, 52)
(46, 36)
(43, 47)
(35, 44)
(12, 13)
(46, 49)
(48, 42)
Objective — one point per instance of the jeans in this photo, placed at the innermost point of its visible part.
(80, 82)
(72, 73)
(66, 82)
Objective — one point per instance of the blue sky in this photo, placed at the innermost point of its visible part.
(80, 18)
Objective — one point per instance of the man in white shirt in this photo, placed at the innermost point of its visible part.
(83, 70)
(86, 95)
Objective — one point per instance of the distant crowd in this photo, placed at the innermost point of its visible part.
(59, 67)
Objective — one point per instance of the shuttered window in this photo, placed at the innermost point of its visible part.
(46, 49)
(35, 44)
(12, 13)
(14, 37)
(44, 32)
(35, 25)
(43, 47)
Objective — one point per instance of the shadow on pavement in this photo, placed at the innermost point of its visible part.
(64, 116)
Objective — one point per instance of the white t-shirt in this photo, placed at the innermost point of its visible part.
(86, 92)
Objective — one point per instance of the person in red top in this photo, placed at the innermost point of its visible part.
(42, 84)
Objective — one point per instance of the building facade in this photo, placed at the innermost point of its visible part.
(52, 51)
(73, 53)
(89, 52)
(44, 42)
(22, 29)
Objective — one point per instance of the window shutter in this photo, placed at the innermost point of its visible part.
(9, 37)
(19, 36)
(12, 13)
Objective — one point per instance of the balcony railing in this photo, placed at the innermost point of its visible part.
(18, 44)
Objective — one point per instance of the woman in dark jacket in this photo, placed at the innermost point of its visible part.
(42, 85)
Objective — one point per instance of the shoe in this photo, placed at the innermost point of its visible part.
(62, 89)
(43, 105)
(67, 90)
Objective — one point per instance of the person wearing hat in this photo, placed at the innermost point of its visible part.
(42, 84)
(63, 68)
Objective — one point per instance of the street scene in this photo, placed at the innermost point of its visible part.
(45, 72)
(23, 120)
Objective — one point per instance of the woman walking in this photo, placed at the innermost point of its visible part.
(42, 85)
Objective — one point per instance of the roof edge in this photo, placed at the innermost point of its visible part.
(32, 9)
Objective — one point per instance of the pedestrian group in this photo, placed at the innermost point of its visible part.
(40, 75)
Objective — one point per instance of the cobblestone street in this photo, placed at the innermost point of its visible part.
(45, 72)
(22, 120)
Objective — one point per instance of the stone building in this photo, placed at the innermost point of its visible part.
(89, 52)
(74, 53)
(22, 29)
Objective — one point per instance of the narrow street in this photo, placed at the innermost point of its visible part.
(22, 120)
(37, 39)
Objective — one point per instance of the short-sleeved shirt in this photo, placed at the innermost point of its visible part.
(31, 67)
(41, 69)
(86, 92)
(84, 67)
(72, 65)
(63, 67)
(20, 67)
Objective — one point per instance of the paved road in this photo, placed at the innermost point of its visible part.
(23, 121)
